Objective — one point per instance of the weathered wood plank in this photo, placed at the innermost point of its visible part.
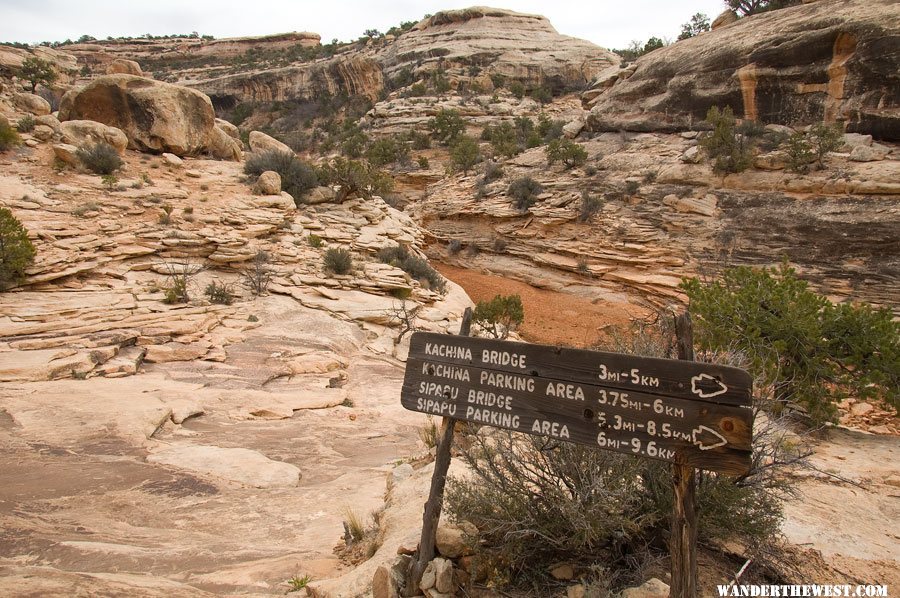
(663, 377)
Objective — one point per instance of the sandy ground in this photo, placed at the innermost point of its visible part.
(550, 317)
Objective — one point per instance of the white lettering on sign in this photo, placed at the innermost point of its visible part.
(493, 418)
(448, 351)
(633, 376)
(441, 370)
(546, 428)
(490, 399)
(507, 381)
(436, 407)
(433, 389)
(565, 391)
(503, 358)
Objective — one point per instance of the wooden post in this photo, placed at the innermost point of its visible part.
(432, 516)
(683, 541)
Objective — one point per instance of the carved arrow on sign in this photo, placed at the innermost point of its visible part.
(715, 440)
(705, 386)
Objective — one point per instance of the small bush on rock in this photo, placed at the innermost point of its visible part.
(446, 126)
(338, 260)
(101, 158)
(413, 265)
(499, 316)
(8, 136)
(464, 153)
(16, 250)
(729, 150)
(26, 124)
(355, 178)
(566, 151)
(524, 192)
(297, 177)
(219, 292)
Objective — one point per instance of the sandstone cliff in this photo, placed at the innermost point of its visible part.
(834, 60)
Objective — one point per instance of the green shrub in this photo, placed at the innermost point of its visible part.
(517, 88)
(16, 250)
(542, 95)
(492, 172)
(499, 316)
(338, 260)
(420, 140)
(413, 265)
(219, 292)
(446, 126)
(314, 240)
(524, 191)
(355, 178)
(297, 177)
(823, 139)
(422, 161)
(566, 151)
(799, 152)
(549, 129)
(729, 150)
(37, 71)
(590, 206)
(8, 136)
(504, 138)
(388, 150)
(805, 349)
(632, 187)
(101, 158)
(464, 153)
(26, 124)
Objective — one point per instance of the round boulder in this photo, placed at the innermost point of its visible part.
(268, 183)
(121, 66)
(260, 142)
(31, 103)
(88, 132)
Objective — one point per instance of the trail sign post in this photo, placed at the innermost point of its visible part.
(694, 415)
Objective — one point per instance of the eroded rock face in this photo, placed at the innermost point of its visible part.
(831, 61)
(353, 75)
(517, 46)
(156, 116)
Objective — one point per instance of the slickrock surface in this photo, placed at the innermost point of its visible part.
(194, 449)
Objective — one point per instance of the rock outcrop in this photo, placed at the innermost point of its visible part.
(832, 60)
(518, 47)
(351, 75)
(156, 116)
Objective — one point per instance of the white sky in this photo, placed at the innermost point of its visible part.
(608, 23)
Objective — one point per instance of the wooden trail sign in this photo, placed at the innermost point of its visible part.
(689, 413)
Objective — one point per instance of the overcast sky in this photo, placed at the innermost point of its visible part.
(608, 23)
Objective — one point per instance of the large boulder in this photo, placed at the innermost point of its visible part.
(121, 66)
(260, 142)
(88, 132)
(31, 103)
(155, 116)
(824, 61)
